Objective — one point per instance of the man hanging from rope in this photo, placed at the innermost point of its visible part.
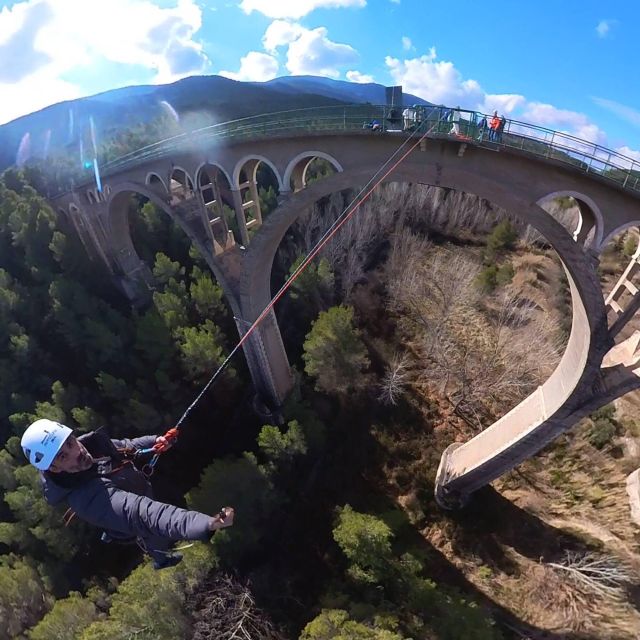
(96, 477)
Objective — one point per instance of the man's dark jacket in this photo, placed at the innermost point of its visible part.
(115, 495)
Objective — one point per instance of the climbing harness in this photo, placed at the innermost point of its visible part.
(381, 174)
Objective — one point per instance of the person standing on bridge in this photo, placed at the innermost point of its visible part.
(493, 127)
(455, 118)
(97, 478)
(482, 128)
(500, 128)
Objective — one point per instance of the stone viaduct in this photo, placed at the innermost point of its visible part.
(192, 185)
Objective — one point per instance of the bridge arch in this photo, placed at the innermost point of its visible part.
(589, 229)
(618, 230)
(297, 168)
(214, 186)
(180, 185)
(538, 419)
(252, 167)
(206, 167)
(129, 263)
(123, 249)
(154, 181)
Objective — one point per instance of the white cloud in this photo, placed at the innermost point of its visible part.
(571, 122)
(295, 9)
(603, 28)
(623, 111)
(280, 32)
(309, 51)
(436, 81)
(254, 67)
(546, 114)
(314, 54)
(630, 153)
(42, 42)
(407, 45)
(505, 103)
(356, 76)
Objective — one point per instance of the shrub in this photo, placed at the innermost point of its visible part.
(503, 237)
(601, 433)
(629, 245)
(487, 279)
(505, 274)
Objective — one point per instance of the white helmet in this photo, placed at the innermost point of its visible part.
(42, 440)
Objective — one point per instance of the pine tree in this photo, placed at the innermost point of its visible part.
(66, 620)
(334, 353)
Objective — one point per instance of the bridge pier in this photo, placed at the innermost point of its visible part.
(446, 497)
(267, 360)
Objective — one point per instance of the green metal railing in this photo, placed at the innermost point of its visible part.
(440, 122)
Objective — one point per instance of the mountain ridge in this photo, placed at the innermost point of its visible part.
(199, 99)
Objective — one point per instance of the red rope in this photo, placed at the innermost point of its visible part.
(354, 206)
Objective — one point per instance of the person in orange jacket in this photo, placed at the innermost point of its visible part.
(494, 124)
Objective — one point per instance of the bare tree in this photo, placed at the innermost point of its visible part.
(395, 380)
(484, 355)
(603, 575)
(228, 611)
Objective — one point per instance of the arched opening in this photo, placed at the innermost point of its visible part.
(512, 290)
(181, 186)
(525, 428)
(578, 214)
(183, 319)
(257, 187)
(309, 167)
(156, 183)
(619, 272)
(215, 190)
(91, 198)
(143, 227)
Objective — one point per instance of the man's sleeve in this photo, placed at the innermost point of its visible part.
(118, 510)
(143, 442)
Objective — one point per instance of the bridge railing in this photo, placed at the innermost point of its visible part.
(440, 121)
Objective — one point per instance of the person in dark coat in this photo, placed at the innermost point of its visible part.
(500, 129)
(96, 477)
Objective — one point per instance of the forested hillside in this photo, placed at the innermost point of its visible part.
(428, 316)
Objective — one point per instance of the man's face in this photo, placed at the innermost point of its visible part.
(71, 458)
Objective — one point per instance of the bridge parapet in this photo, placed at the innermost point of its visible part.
(440, 121)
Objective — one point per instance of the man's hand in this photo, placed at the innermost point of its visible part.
(222, 520)
(165, 442)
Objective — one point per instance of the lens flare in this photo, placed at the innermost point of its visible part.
(24, 150)
(96, 171)
(71, 126)
(47, 144)
(92, 129)
(170, 110)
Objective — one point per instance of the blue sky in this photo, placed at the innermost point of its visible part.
(569, 65)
